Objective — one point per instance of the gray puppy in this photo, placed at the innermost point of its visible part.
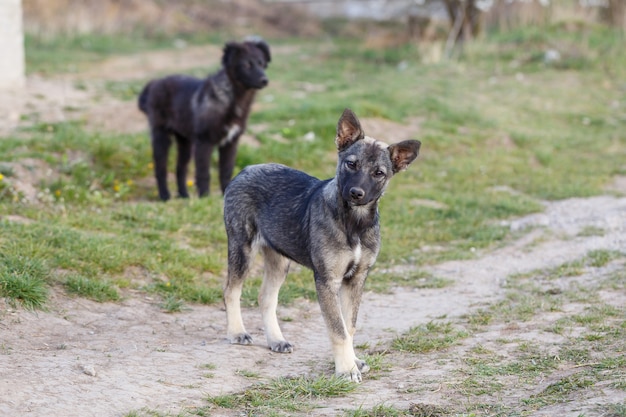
(328, 226)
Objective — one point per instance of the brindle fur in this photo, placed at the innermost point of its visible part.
(328, 226)
(202, 114)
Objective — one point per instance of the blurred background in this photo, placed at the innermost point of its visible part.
(416, 20)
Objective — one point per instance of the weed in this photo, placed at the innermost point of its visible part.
(288, 394)
(172, 304)
(615, 410)
(23, 279)
(97, 290)
(248, 374)
(380, 410)
(429, 337)
(560, 391)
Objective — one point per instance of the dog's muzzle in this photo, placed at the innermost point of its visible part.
(356, 194)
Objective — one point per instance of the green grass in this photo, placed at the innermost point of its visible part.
(97, 290)
(23, 279)
(589, 354)
(430, 337)
(493, 147)
(66, 53)
(285, 394)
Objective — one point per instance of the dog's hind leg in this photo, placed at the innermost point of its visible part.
(276, 268)
(239, 258)
(161, 143)
(182, 163)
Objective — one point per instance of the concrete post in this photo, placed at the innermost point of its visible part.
(11, 45)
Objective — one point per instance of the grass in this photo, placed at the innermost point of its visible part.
(480, 126)
(68, 53)
(429, 337)
(94, 289)
(590, 353)
(501, 131)
(285, 394)
(23, 279)
(99, 218)
(486, 375)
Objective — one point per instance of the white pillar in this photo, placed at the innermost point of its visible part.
(11, 45)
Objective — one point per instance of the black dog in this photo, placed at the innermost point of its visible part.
(329, 226)
(202, 114)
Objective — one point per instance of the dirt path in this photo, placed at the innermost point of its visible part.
(88, 359)
(83, 358)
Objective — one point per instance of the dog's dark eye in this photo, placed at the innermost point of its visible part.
(379, 173)
(351, 164)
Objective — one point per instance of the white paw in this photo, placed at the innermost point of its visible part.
(353, 375)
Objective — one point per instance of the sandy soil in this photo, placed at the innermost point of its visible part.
(83, 358)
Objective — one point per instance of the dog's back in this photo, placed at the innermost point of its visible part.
(260, 195)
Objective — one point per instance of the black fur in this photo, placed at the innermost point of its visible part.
(203, 113)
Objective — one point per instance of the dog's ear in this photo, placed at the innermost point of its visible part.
(348, 130)
(231, 50)
(403, 153)
(264, 47)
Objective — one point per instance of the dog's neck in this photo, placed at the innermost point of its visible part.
(237, 90)
(232, 92)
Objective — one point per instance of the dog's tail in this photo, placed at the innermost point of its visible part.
(142, 102)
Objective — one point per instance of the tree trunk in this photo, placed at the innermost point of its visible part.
(615, 14)
(465, 15)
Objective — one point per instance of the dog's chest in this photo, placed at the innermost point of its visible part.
(354, 259)
(232, 131)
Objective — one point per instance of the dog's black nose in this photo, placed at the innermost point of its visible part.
(357, 193)
(264, 81)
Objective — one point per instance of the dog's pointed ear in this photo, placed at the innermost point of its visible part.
(231, 50)
(403, 153)
(348, 130)
(263, 47)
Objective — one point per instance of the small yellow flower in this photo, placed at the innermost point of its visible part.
(167, 284)
(1, 177)
(151, 165)
(129, 182)
(189, 183)
(116, 188)
(57, 193)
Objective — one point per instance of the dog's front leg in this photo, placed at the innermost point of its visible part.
(340, 338)
(350, 295)
(161, 143)
(203, 164)
(182, 163)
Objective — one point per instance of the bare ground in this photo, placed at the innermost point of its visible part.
(82, 358)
